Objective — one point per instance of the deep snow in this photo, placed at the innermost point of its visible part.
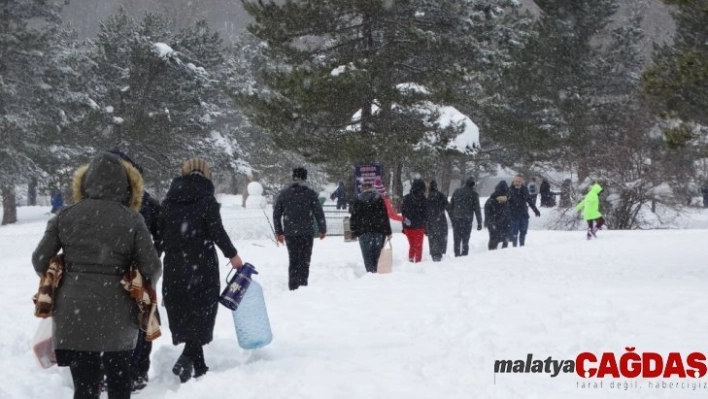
(427, 330)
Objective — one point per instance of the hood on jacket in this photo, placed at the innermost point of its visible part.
(418, 187)
(190, 188)
(433, 186)
(501, 189)
(369, 195)
(595, 189)
(109, 178)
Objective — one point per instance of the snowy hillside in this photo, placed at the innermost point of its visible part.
(426, 331)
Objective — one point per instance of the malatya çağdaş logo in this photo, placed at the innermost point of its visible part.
(629, 365)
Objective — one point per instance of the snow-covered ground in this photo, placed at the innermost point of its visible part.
(429, 330)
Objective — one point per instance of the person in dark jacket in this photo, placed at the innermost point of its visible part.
(101, 235)
(533, 190)
(436, 228)
(189, 228)
(150, 211)
(371, 225)
(463, 208)
(293, 213)
(704, 191)
(497, 216)
(340, 195)
(57, 201)
(519, 198)
(415, 214)
(547, 198)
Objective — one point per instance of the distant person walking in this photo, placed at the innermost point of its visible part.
(371, 225)
(547, 199)
(519, 198)
(340, 195)
(497, 216)
(293, 214)
(704, 191)
(590, 206)
(414, 212)
(437, 222)
(463, 208)
(533, 190)
(57, 201)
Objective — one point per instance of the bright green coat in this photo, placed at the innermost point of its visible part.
(590, 205)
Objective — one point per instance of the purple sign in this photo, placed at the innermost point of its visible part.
(369, 174)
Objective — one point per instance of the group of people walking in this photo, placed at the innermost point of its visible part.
(115, 226)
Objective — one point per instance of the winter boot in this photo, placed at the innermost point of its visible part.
(140, 382)
(594, 231)
(590, 234)
(183, 368)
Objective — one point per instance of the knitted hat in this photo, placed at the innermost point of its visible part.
(300, 174)
(196, 165)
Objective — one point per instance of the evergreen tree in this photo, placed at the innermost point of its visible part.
(546, 110)
(678, 78)
(27, 39)
(361, 81)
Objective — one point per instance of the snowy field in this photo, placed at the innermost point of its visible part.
(427, 330)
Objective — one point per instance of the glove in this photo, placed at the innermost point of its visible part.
(479, 227)
(538, 213)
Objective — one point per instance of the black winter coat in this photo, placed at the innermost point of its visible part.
(415, 207)
(437, 206)
(150, 210)
(294, 209)
(497, 213)
(519, 201)
(465, 203)
(369, 215)
(189, 227)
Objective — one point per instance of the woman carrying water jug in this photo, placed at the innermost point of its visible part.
(189, 227)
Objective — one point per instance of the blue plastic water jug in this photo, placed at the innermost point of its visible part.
(237, 286)
(251, 319)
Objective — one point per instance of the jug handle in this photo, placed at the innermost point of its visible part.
(228, 276)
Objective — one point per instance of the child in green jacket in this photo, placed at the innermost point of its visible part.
(590, 205)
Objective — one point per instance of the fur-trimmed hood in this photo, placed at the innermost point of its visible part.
(109, 178)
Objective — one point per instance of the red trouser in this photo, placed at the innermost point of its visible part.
(598, 223)
(415, 240)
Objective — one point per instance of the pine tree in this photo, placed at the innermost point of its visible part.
(27, 32)
(678, 78)
(155, 97)
(548, 96)
(360, 81)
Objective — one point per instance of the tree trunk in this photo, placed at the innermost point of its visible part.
(9, 208)
(32, 192)
(446, 175)
(397, 197)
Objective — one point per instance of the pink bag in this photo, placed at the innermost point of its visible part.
(385, 265)
(42, 344)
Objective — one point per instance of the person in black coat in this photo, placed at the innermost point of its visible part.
(189, 228)
(437, 222)
(293, 215)
(371, 225)
(463, 208)
(415, 214)
(704, 191)
(150, 211)
(547, 198)
(519, 198)
(497, 216)
(340, 195)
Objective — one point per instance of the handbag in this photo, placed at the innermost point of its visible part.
(43, 344)
(49, 285)
(385, 265)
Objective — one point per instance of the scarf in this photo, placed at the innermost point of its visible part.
(48, 286)
(146, 298)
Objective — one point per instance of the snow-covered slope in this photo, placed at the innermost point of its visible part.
(429, 330)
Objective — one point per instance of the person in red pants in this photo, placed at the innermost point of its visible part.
(414, 213)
